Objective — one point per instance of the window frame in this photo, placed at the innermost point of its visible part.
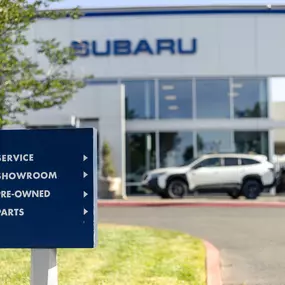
(251, 159)
(196, 166)
(231, 157)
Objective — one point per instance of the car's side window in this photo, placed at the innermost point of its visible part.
(248, 161)
(209, 162)
(231, 161)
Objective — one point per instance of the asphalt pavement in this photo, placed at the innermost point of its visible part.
(251, 241)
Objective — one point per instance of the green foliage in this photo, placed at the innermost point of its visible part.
(24, 85)
(107, 165)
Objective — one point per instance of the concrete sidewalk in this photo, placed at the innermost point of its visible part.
(206, 198)
(191, 204)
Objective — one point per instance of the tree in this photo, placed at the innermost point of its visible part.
(107, 165)
(24, 84)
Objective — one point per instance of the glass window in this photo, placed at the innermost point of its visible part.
(231, 161)
(251, 142)
(175, 148)
(140, 157)
(209, 162)
(214, 142)
(212, 98)
(250, 97)
(247, 161)
(100, 82)
(175, 99)
(140, 102)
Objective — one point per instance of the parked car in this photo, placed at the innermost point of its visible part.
(279, 162)
(238, 174)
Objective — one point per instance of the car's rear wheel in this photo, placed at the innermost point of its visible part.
(251, 189)
(177, 188)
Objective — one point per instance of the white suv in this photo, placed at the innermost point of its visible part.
(238, 174)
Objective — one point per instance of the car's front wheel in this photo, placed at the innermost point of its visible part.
(234, 193)
(164, 196)
(177, 188)
(251, 189)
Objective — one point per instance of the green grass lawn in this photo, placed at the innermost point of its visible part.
(124, 256)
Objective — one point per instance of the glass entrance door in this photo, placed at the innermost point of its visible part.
(140, 157)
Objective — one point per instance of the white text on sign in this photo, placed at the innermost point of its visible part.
(11, 212)
(27, 175)
(24, 194)
(16, 157)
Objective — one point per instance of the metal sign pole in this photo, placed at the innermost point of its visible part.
(44, 267)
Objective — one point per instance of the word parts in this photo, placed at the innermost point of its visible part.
(11, 212)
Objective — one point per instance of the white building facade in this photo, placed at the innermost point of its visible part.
(171, 83)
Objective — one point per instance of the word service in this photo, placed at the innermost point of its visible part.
(48, 184)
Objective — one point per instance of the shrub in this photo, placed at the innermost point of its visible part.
(108, 169)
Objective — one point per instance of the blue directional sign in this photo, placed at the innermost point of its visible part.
(48, 188)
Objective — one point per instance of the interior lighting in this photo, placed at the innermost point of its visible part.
(170, 97)
(173, 107)
(167, 87)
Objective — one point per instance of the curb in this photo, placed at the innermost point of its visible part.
(235, 204)
(213, 268)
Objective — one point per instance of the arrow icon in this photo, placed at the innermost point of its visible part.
(85, 157)
(84, 174)
(84, 194)
(85, 212)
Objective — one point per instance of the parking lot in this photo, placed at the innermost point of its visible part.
(251, 241)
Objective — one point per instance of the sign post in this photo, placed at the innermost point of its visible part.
(48, 194)
(44, 267)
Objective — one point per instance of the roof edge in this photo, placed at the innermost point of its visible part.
(178, 8)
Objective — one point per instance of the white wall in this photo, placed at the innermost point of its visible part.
(278, 114)
(227, 44)
(103, 102)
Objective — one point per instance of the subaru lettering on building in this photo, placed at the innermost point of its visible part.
(127, 47)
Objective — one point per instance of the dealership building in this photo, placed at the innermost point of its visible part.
(171, 83)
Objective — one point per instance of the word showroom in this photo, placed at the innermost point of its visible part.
(27, 175)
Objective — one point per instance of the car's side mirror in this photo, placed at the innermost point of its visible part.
(197, 166)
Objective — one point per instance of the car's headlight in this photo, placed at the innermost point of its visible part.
(155, 175)
(149, 176)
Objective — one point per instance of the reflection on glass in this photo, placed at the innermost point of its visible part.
(250, 97)
(212, 97)
(251, 142)
(175, 99)
(214, 142)
(210, 162)
(140, 157)
(175, 148)
(140, 100)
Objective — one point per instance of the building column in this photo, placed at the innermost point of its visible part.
(112, 129)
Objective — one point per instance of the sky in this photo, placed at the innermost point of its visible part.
(277, 88)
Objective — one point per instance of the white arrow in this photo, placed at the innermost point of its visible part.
(84, 174)
(85, 212)
(84, 194)
(84, 157)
